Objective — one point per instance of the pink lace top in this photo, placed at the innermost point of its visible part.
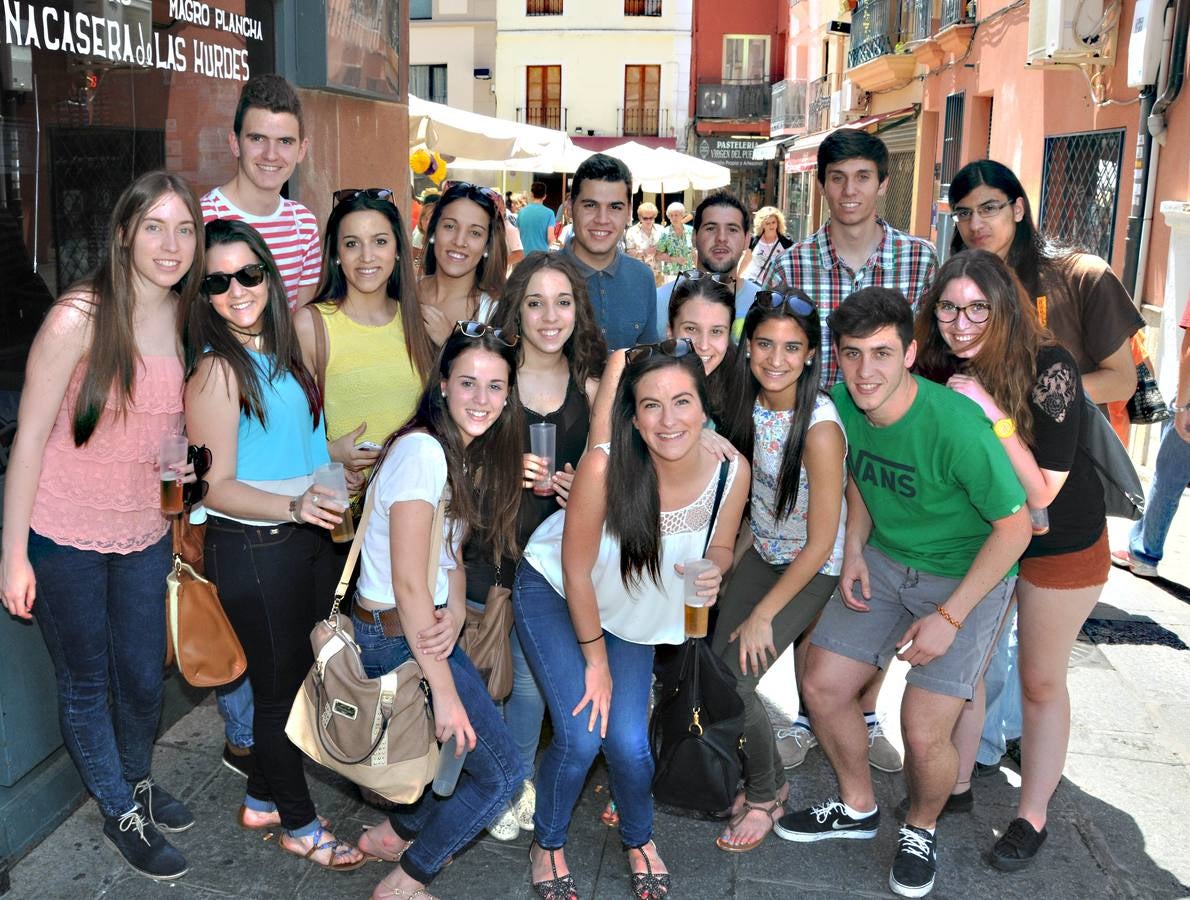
(105, 495)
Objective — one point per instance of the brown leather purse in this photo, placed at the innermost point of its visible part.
(485, 639)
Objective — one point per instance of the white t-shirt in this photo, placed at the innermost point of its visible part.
(414, 469)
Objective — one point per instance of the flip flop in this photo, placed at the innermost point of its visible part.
(336, 847)
(767, 809)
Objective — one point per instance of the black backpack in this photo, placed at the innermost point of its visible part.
(697, 732)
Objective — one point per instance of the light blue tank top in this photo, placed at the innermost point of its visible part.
(290, 445)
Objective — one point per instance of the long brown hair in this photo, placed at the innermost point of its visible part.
(112, 358)
(493, 265)
(1006, 364)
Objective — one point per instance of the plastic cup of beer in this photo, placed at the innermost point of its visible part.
(172, 455)
(333, 482)
(543, 438)
(697, 611)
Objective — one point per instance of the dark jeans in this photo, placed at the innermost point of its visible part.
(442, 826)
(764, 775)
(274, 582)
(547, 637)
(103, 619)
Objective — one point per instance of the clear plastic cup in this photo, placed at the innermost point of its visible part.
(449, 767)
(333, 480)
(543, 438)
(1040, 519)
(171, 455)
(697, 612)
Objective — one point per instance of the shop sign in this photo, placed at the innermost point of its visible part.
(735, 153)
(125, 35)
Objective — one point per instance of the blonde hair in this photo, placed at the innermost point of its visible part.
(646, 208)
(763, 213)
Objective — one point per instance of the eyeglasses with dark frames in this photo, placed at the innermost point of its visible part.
(477, 330)
(342, 196)
(674, 347)
(977, 313)
(220, 282)
(773, 300)
(988, 210)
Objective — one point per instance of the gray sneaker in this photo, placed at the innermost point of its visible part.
(793, 744)
(882, 754)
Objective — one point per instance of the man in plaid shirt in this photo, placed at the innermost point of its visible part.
(855, 248)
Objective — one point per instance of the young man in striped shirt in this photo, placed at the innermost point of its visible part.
(267, 142)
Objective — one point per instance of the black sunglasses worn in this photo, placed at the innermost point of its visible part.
(675, 347)
(773, 300)
(342, 196)
(220, 282)
(477, 330)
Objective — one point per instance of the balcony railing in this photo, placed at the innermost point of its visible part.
(877, 26)
(818, 104)
(789, 106)
(642, 7)
(920, 25)
(545, 116)
(644, 121)
(734, 100)
(543, 7)
(956, 11)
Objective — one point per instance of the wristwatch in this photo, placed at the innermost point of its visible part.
(1004, 428)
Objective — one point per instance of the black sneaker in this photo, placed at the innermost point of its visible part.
(239, 759)
(955, 803)
(1017, 846)
(983, 770)
(913, 868)
(825, 822)
(135, 838)
(164, 810)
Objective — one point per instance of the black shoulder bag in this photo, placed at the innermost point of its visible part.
(697, 730)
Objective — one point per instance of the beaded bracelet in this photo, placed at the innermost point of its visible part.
(949, 618)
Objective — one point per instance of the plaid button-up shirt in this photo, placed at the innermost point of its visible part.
(903, 262)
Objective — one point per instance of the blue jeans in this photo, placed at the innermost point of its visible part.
(235, 706)
(442, 826)
(1002, 683)
(524, 709)
(103, 619)
(550, 645)
(1170, 475)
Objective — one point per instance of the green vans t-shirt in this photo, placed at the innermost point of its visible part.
(933, 481)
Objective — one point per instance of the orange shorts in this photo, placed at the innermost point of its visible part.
(1070, 571)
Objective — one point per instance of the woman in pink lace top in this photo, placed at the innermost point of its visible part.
(85, 545)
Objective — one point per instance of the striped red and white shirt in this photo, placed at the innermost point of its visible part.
(291, 234)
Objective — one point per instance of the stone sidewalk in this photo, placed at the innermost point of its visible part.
(1117, 823)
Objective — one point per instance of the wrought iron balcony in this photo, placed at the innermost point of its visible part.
(919, 25)
(734, 100)
(645, 121)
(956, 12)
(789, 106)
(548, 116)
(877, 27)
(818, 104)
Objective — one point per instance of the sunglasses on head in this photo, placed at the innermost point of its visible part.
(346, 194)
(773, 300)
(220, 282)
(477, 330)
(674, 347)
(490, 193)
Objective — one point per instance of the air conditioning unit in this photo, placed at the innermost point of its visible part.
(1070, 32)
(845, 105)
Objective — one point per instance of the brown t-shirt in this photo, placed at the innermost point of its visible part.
(1087, 308)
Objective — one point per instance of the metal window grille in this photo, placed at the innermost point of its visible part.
(798, 206)
(952, 139)
(1080, 181)
(896, 206)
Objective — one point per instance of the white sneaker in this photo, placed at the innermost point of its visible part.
(525, 806)
(882, 754)
(506, 827)
(1125, 559)
(793, 744)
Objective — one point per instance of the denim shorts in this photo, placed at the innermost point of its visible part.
(900, 596)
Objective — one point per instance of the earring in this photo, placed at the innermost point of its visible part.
(443, 395)
(430, 239)
(485, 254)
(809, 362)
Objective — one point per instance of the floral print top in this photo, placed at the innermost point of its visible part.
(678, 246)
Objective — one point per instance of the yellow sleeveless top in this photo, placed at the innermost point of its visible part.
(369, 376)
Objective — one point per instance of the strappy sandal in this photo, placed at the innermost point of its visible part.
(241, 818)
(648, 885)
(610, 817)
(336, 847)
(560, 887)
(386, 892)
(369, 856)
(766, 808)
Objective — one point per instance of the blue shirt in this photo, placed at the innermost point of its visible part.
(624, 298)
(534, 222)
(289, 445)
(745, 294)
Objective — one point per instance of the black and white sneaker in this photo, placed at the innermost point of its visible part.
(825, 822)
(135, 838)
(913, 868)
(162, 808)
(1017, 846)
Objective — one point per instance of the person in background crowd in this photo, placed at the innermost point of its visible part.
(675, 248)
(465, 262)
(780, 418)
(977, 331)
(461, 448)
(600, 584)
(86, 548)
(936, 521)
(640, 241)
(425, 209)
(512, 235)
(768, 240)
(250, 400)
(268, 141)
(560, 359)
(535, 221)
(622, 289)
(375, 352)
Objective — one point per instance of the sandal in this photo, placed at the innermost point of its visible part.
(558, 887)
(385, 892)
(381, 856)
(767, 808)
(242, 814)
(648, 885)
(610, 817)
(337, 849)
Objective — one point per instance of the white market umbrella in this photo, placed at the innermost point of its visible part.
(659, 170)
(472, 136)
(565, 160)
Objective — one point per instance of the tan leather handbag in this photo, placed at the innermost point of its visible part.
(485, 639)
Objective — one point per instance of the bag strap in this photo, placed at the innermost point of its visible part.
(715, 506)
(357, 544)
(435, 545)
(320, 349)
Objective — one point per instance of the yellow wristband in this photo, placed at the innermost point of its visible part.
(1004, 428)
(949, 618)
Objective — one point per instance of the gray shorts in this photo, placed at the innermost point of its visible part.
(900, 596)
